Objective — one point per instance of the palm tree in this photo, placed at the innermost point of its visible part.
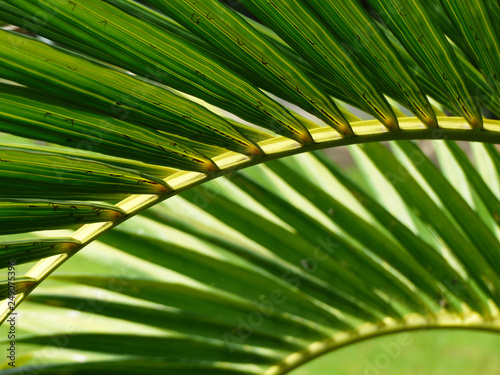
(112, 107)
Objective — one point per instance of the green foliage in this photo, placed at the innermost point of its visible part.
(112, 107)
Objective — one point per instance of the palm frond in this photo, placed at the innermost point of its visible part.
(268, 268)
(111, 107)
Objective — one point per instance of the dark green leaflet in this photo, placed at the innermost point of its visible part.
(416, 198)
(24, 250)
(439, 17)
(293, 249)
(22, 283)
(34, 174)
(298, 25)
(131, 366)
(170, 319)
(213, 302)
(25, 215)
(231, 34)
(335, 89)
(138, 167)
(472, 18)
(439, 92)
(43, 67)
(229, 276)
(27, 114)
(360, 32)
(425, 42)
(161, 56)
(180, 347)
(425, 254)
(338, 263)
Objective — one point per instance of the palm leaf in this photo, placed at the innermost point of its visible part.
(113, 107)
(315, 287)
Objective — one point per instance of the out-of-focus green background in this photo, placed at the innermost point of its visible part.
(428, 352)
